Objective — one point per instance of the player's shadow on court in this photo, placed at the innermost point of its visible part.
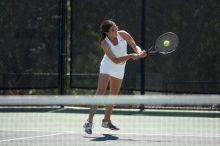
(105, 137)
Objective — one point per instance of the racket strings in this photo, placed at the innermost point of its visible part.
(172, 38)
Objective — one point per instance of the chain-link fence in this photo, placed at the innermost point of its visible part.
(193, 68)
(30, 43)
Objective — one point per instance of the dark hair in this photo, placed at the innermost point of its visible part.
(104, 27)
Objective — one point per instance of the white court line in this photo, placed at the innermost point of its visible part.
(30, 137)
(115, 133)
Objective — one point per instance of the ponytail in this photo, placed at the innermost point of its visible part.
(103, 35)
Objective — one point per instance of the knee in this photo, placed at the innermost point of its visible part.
(100, 91)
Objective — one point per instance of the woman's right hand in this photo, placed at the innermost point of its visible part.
(135, 56)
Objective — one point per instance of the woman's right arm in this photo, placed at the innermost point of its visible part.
(115, 59)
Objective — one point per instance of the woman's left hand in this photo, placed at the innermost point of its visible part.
(142, 54)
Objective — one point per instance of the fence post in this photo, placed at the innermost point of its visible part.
(142, 64)
(62, 52)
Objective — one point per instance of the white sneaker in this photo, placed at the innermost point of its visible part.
(88, 127)
(109, 125)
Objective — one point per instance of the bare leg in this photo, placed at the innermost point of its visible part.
(115, 85)
(102, 85)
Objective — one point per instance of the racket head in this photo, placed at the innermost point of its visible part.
(173, 40)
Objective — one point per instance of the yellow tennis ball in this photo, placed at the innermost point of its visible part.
(166, 43)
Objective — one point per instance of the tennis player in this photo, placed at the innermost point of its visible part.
(112, 67)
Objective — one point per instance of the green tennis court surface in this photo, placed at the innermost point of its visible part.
(52, 126)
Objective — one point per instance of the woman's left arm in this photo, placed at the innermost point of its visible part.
(126, 36)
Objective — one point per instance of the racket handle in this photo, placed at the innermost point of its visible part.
(150, 50)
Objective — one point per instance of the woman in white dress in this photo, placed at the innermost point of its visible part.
(112, 67)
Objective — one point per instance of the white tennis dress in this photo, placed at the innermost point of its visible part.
(107, 66)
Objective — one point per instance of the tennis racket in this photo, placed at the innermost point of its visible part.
(165, 44)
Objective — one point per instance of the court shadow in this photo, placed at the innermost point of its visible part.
(105, 137)
(110, 137)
